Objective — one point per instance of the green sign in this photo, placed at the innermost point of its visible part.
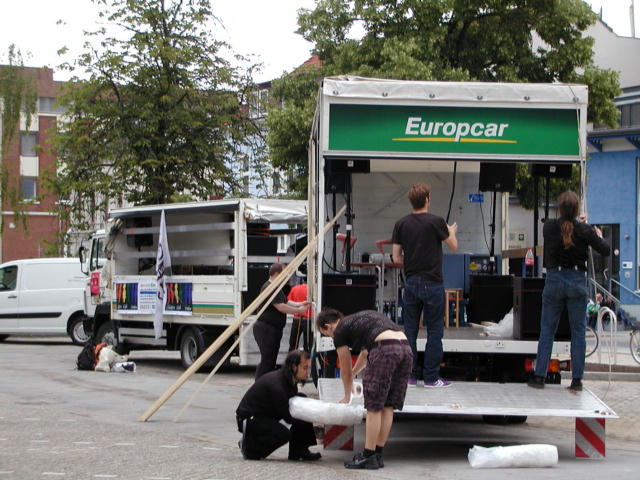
(456, 130)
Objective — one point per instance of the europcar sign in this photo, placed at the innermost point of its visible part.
(460, 131)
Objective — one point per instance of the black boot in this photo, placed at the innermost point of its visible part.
(536, 382)
(576, 384)
(360, 461)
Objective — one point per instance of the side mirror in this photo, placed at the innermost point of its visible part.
(83, 260)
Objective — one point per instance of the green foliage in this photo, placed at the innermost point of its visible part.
(467, 40)
(18, 96)
(158, 115)
(525, 186)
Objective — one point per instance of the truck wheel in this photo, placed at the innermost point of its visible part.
(76, 330)
(191, 347)
(107, 334)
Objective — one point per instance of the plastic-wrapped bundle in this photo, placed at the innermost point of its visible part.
(533, 455)
(312, 410)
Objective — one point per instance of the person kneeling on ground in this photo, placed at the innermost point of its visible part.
(266, 403)
(385, 350)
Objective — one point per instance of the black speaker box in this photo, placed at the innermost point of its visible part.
(256, 276)
(349, 293)
(527, 310)
(497, 177)
(490, 297)
(349, 166)
(335, 182)
(554, 170)
(262, 245)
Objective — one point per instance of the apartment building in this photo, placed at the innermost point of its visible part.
(29, 156)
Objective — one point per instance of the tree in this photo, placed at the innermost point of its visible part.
(467, 40)
(160, 114)
(18, 97)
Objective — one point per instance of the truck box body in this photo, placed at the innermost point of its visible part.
(220, 252)
(372, 139)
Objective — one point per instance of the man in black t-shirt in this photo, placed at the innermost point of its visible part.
(385, 351)
(417, 245)
(268, 329)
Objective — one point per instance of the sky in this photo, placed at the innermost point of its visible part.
(264, 28)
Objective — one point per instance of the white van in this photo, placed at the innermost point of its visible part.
(42, 296)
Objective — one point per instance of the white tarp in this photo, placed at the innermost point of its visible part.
(456, 93)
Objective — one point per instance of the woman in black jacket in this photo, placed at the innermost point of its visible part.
(566, 243)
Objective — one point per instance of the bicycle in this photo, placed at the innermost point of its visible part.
(634, 340)
(592, 340)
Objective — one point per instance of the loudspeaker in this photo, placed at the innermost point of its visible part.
(349, 166)
(562, 170)
(139, 239)
(527, 310)
(490, 297)
(262, 245)
(349, 293)
(257, 274)
(497, 177)
(335, 182)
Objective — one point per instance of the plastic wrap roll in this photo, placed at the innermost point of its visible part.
(312, 410)
(533, 455)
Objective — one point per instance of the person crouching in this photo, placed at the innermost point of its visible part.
(266, 403)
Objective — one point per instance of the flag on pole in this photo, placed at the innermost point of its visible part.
(163, 261)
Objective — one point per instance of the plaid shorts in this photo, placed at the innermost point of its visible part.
(385, 378)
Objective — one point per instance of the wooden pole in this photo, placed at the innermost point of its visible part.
(280, 280)
(287, 272)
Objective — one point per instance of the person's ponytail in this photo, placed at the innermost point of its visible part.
(568, 207)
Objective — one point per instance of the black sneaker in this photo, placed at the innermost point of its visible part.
(305, 456)
(536, 382)
(380, 462)
(362, 462)
(576, 385)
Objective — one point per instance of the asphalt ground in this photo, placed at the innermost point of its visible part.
(57, 422)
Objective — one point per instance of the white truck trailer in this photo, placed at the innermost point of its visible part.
(220, 253)
(371, 139)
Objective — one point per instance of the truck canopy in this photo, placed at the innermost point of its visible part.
(256, 210)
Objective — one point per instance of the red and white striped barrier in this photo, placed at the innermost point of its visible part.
(590, 438)
(338, 437)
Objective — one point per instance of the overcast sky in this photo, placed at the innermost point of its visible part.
(265, 28)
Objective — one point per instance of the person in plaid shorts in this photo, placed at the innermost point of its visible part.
(385, 351)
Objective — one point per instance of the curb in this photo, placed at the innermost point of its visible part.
(605, 376)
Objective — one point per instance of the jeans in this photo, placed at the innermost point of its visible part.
(422, 295)
(563, 288)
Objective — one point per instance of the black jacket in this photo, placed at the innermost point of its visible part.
(269, 396)
(584, 235)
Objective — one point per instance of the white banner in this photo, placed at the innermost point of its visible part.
(163, 261)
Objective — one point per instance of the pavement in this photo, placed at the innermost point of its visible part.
(56, 421)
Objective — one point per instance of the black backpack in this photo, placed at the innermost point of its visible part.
(87, 357)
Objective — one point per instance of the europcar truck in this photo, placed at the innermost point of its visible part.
(220, 254)
(372, 139)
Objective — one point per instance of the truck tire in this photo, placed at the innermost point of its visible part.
(76, 330)
(191, 346)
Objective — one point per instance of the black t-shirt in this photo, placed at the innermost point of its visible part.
(584, 235)
(271, 315)
(421, 236)
(269, 396)
(360, 329)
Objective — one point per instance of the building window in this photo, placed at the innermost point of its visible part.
(28, 141)
(630, 115)
(29, 188)
(48, 105)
